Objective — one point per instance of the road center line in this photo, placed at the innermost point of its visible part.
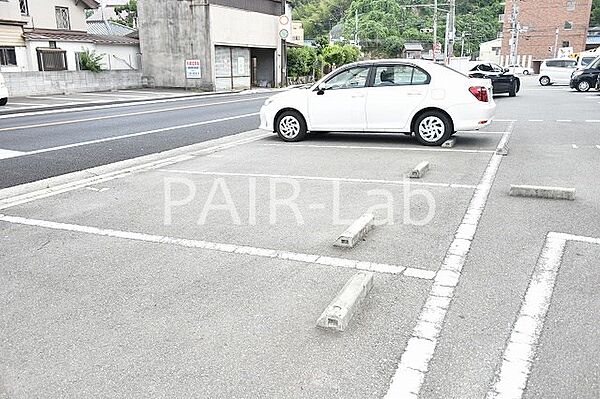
(511, 378)
(360, 147)
(99, 118)
(5, 154)
(126, 136)
(321, 178)
(229, 248)
(414, 363)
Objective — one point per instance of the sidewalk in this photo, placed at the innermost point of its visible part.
(77, 100)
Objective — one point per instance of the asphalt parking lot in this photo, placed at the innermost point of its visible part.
(203, 275)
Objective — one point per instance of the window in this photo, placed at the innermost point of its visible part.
(568, 25)
(352, 78)
(484, 68)
(587, 60)
(399, 75)
(553, 63)
(52, 44)
(570, 5)
(566, 44)
(8, 57)
(62, 18)
(567, 63)
(52, 59)
(24, 7)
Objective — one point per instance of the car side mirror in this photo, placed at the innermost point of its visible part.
(506, 70)
(321, 89)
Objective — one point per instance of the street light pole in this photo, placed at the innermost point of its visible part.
(435, 27)
(283, 51)
(451, 29)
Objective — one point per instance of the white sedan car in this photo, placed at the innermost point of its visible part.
(406, 96)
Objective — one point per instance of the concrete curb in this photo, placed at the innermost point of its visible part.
(419, 171)
(356, 231)
(450, 143)
(347, 303)
(542, 192)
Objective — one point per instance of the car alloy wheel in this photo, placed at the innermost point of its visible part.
(526, 72)
(584, 85)
(432, 129)
(544, 81)
(289, 127)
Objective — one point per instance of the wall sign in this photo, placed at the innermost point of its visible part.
(192, 69)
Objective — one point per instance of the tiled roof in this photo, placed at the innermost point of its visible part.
(76, 36)
(413, 46)
(108, 28)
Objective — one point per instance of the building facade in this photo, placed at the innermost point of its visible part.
(210, 44)
(50, 35)
(490, 51)
(547, 28)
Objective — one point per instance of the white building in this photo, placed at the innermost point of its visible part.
(49, 35)
(491, 51)
(211, 45)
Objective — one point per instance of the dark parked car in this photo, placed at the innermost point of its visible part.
(502, 80)
(585, 79)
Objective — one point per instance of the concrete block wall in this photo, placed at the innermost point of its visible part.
(48, 83)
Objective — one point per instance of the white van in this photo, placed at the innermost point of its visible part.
(585, 58)
(557, 71)
(3, 91)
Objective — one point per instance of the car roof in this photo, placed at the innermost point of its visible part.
(390, 61)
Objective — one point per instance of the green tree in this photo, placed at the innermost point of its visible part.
(340, 54)
(595, 17)
(301, 61)
(90, 60)
(127, 14)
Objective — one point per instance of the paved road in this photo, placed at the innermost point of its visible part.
(104, 295)
(46, 145)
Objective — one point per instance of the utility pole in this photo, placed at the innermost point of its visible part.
(283, 50)
(451, 30)
(556, 43)
(514, 31)
(356, 42)
(435, 27)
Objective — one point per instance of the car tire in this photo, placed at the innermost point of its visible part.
(526, 72)
(512, 92)
(3, 101)
(433, 128)
(291, 126)
(583, 86)
(545, 81)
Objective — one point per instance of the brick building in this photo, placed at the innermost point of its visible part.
(539, 21)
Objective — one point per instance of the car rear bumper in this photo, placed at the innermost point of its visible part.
(473, 117)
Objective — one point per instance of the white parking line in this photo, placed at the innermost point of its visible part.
(116, 94)
(574, 146)
(126, 136)
(564, 120)
(593, 120)
(360, 147)
(406, 182)
(414, 363)
(535, 120)
(511, 379)
(5, 154)
(228, 248)
(98, 118)
(24, 104)
(598, 147)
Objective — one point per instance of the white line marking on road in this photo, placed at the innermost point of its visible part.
(598, 147)
(535, 120)
(511, 378)
(593, 120)
(115, 94)
(99, 118)
(229, 248)
(25, 104)
(126, 136)
(574, 146)
(361, 147)
(5, 154)
(54, 98)
(504, 120)
(414, 363)
(320, 178)
(564, 120)
(82, 183)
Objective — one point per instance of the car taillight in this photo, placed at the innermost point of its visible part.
(480, 93)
